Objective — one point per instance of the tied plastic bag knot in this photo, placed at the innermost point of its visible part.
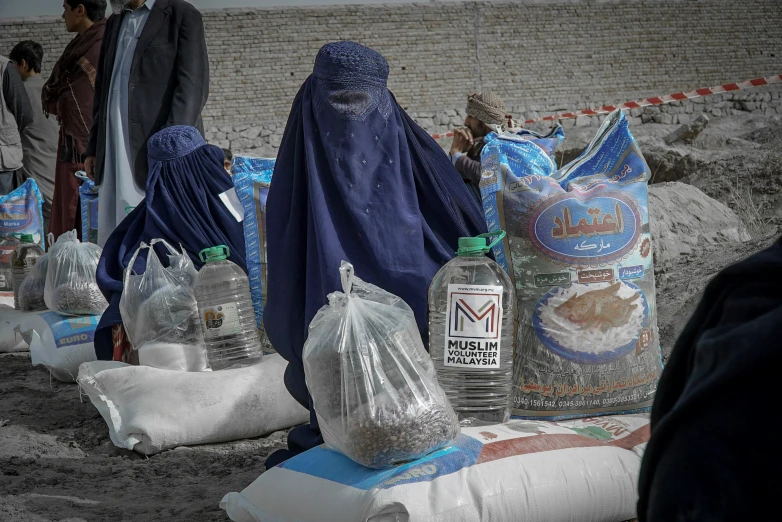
(372, 383)
(346, 274)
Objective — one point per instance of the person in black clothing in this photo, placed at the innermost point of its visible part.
(713, 452)
(16, 114)
(167, 84)
(153, 73)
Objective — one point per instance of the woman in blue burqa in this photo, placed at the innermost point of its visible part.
(356, 180)
(182, 205)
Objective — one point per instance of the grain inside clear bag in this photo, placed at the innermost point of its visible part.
(159, 310)
(31, 293)
(71, 288)
(372, 383)
(158, 304)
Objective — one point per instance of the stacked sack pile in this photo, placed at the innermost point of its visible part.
(195, 333)
(55, 295)
(182, 325)
(581, 328)
(559, 329)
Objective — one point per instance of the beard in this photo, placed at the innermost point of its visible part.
(117, 6)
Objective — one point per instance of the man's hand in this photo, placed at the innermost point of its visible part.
(89, 167)
(462, 141)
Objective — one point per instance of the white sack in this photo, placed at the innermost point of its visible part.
(582, 470)
(172, 356)
(11, 339)
(7, 299)
(150, 410)
(59, 343)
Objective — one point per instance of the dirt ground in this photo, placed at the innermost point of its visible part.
(58, 464)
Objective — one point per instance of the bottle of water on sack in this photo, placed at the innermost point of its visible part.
(22, 260)
(225, 308)
(472, 305)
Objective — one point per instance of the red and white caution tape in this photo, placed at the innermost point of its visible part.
(648, 102)
(441, 136)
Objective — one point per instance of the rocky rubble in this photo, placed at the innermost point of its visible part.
(684, 220)
(263, 139)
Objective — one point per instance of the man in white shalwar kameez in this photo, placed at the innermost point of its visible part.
(153, 73)
(118, 190)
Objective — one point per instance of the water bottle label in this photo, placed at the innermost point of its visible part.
(221, 320)
(472, 333)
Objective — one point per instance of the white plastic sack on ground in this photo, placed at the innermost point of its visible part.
(523, 470)
(11, 339)
(151, 410)
(60, 343)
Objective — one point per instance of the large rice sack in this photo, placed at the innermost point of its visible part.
(150, 410)
(547, 142)
(60, 343)
(21, 212)
(252, 178)
(88, 200)
(579, 250)
(584, 470)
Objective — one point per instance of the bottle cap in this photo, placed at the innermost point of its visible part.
(215, 253)
(471, 246)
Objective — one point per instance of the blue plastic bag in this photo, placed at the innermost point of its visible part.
(504, 160)
(88, 198)
(579, 251)
(252, 178)
(21, 212)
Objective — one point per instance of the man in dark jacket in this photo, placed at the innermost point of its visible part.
(153, 73)
(485, 113)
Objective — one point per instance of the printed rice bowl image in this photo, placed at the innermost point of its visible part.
(594, 323)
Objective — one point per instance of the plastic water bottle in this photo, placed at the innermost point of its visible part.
(22, 260)
(225, 308)
(472, 325)
(7, 246)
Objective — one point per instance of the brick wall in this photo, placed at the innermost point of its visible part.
(540, 55)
